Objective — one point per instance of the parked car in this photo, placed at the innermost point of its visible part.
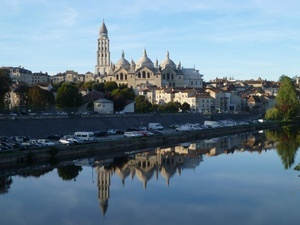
(32, 143)
(146, 133)
(45, 142)
(120, 131)
(73, 139)
(174, 126)
(132, 134)
(155, 132)
(65, 141)
(100, 133)
(111, 131)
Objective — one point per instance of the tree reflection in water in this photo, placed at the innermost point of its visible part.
(287, 143)
(68, 172)
(5, 183)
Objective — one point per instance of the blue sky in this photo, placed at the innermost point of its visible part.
(244, 39)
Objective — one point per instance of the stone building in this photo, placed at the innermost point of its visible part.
(143, 71)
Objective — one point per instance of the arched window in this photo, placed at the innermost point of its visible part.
(168, 76)
(164, 76)
(121, 76)
(125, 77)
(172, 76)
(144, 74)
(139, 75)
(117, 77)
(148, 75)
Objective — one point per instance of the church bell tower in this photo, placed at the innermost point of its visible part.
(103, 54)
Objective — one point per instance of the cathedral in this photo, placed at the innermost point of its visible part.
(143, 73)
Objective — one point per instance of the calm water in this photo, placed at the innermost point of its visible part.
(241, 179)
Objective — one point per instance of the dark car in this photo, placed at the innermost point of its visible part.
(55, 136)
(100, 133)
(132, 129)
(120, 131)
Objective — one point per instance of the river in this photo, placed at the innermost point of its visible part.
(246, 178)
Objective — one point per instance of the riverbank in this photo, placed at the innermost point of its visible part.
(109, 146)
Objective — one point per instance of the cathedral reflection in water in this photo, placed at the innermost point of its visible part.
(167, 161)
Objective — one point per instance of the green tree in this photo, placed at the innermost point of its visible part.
(155, 108)
(79, 84)
(287, 102)
(185, 107)
(110, 86)
(116, 92)
(40, 99)
(87, 85)
(171, 107)
(273, 114)
(22, 92)
(5, 86)
(98, 87)
(123, 86)
(142, 105)
(119, 103)
(68, 97)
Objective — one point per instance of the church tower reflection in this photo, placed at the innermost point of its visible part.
(103, 184)
(166, 162)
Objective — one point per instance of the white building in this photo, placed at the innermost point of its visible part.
(104, 106)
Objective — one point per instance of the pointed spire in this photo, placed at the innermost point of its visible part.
(168, 54)
(145, 52)
(103, 30)
(123, 55)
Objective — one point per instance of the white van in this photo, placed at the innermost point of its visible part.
(155, 126)
(211, 124)
(85, 136)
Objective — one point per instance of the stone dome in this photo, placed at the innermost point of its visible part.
(167, 62)
(123, 63)
(144, 61)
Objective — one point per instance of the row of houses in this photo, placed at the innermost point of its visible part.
(219, 95)
(213, 99)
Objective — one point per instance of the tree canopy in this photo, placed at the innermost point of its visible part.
(287, 103)
(110, 86)
(40, 99)
(5, 85)
(68, 97)
(142, 105)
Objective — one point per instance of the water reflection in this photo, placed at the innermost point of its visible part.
(238, 177)
(164, 161)
(5, 183)
(287, 141)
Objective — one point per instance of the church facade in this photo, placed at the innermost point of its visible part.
(143, 73)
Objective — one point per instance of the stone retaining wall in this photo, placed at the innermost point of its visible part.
(41, 127)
